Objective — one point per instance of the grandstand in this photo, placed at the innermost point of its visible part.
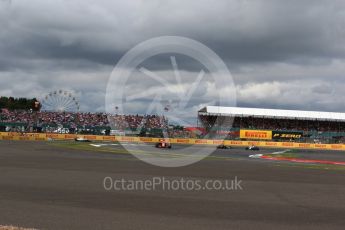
(296, 125)
(214, 122)
(87, 123)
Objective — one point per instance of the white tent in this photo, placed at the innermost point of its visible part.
(271, 113)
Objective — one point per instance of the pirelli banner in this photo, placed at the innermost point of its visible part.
(286, 135)
(256, 134)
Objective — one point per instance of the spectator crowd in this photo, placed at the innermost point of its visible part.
(274, 124)
(74, 120)
(123, 122)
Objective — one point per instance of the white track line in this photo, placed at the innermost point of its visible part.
(124, 144)
(274, 153)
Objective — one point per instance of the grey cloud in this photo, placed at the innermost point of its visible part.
(240, 31)
(273, 48)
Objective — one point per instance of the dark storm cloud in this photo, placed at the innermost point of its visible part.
(267, 44)
(239, 31)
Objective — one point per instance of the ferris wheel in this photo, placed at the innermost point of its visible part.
(60, 101)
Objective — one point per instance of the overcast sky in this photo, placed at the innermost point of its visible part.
(281, 54)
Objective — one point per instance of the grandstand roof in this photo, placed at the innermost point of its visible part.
(272, 113)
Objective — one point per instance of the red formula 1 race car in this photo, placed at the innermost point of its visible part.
(163, 144)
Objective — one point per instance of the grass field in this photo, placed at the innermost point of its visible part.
(120, 150)
(14, 228)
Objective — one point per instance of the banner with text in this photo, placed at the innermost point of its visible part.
(256, 134)
(286, 135)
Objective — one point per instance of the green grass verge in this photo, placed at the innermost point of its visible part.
(313, 166)
(285, 155)
(107, 149)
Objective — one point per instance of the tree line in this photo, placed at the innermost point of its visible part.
(12, 103)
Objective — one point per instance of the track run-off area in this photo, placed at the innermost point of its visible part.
(60, 185)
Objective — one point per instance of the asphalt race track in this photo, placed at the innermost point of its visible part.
(49, 187)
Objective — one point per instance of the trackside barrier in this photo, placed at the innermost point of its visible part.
(46, 136)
